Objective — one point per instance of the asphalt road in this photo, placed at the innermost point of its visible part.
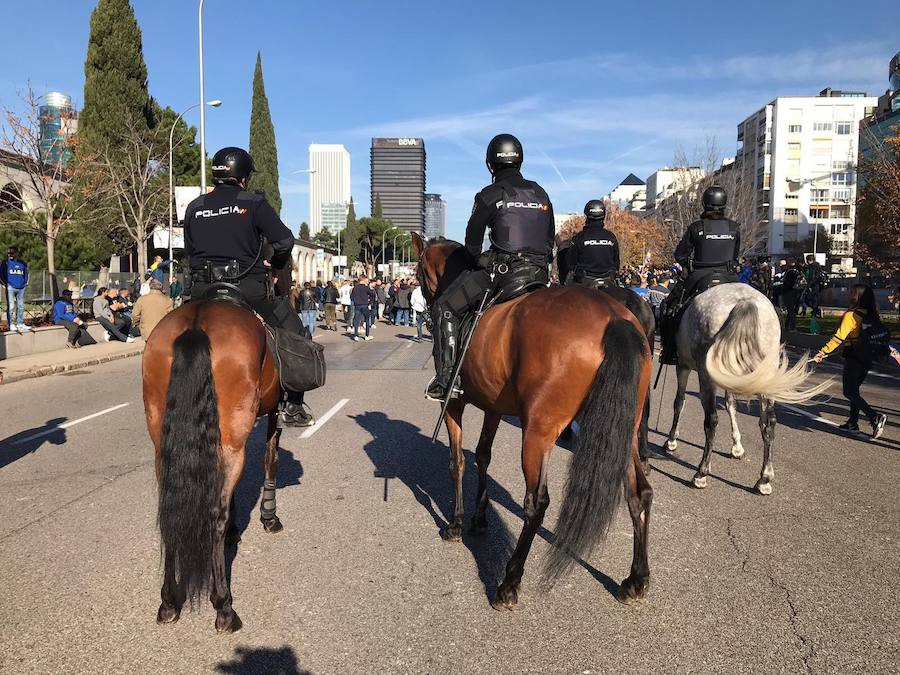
(805, 580)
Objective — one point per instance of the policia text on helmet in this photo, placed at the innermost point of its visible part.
(504, 151)
(232, 166)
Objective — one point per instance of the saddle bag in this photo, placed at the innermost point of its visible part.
(300, 361)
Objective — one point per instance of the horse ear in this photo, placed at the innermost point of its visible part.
(418, 243)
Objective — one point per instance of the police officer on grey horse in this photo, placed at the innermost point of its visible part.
(518, 217)
(227, 234)
(592, 259)
(710, 249)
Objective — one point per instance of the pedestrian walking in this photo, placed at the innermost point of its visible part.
(403, 294)
(307, 306)
(360, 300)
(347, 308)
(860, 333)
(420, 307)
(381, 294)
(792, 288)
(14, 277)
(330, 299)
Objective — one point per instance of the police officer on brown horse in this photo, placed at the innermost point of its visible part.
(710, 249)
(226, 233)
(518, 217)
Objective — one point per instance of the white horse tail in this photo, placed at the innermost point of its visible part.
(738, 362)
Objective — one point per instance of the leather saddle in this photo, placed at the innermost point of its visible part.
(706, 281)
(222, 291)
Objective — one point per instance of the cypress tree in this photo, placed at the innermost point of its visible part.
(115, 75)
(262, 141)
(304, 231)
(378, 211)
(350, 237)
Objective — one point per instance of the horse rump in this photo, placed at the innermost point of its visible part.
(738, 362)
(187, 472)
(605, 442)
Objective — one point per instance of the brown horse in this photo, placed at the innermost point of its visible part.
(208, 375)
(526, 359)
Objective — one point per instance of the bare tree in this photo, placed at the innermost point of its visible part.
(684, 206)
(132, 186)
(47, 205)
(878, 203)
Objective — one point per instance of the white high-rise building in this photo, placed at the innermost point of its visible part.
(804, 150)
(435, 216)
(329, 187)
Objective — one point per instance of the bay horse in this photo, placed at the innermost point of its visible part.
(731, 335)
(527, 360)
(207, 375)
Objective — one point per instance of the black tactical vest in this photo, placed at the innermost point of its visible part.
(715, 243)
(522, 222)
(597, 250)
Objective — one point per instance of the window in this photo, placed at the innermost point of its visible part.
(843, 128)
(818, 195)
(793, 151)
(822, 126)
(795, 128)
(840, 165)
(842, 211)
(840, 178)
(840, 228)
(791, 195)
(817, 213)
(840, 195)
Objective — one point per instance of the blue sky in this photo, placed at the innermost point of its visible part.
(594, 90)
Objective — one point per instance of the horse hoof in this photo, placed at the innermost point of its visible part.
(272, 525)
(228, 623)
(672, 445)
(699, 482)
(763, 488)
(452, 533)
(505, 598)
(633, 590)
(167, 614)
(737, 451)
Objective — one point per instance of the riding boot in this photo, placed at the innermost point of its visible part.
(293, 411)
(444, 358)
(668, 331)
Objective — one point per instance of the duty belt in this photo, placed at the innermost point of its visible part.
(230, 272)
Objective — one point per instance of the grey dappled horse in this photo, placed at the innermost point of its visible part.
(731, 335)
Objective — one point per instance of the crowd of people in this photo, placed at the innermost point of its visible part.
(363, 302)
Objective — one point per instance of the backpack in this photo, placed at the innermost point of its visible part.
(800, 282)
(874, 340)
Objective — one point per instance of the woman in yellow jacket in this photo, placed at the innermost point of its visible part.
(856, 365)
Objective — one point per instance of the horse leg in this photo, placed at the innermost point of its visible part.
(767, 420)
(483, 458)
(535, 457)
(172, 593)
(453, 531)
(639, 496)
(643, 433)
(232, 536)
(737, 450)
(710, 422)
(682, 373)
(231, 465)
(270, 520)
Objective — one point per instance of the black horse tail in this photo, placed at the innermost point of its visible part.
(187, 471)
(603, 450)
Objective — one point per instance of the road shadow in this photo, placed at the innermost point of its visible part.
(17, 446)
(399, 450)
(262, 661)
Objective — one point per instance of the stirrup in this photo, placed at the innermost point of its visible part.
(455, 392)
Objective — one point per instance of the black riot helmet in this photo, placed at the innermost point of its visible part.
(503, 151)
(595, 212)
(714, 199)
(232, 165)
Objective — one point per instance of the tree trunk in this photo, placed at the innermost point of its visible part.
(51, 266)
(103, 277)
(141, 241)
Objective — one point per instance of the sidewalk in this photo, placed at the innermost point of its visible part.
(61, 360)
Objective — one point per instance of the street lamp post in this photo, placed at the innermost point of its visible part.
(215, 104)
(395, 245)
(383, 235)
(200, 103)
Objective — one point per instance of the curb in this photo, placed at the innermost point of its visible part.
(62, 368)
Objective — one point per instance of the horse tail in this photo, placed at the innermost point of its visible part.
(738, 363)
(603, 449)
(188, 462)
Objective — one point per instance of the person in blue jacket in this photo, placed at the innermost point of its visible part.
(64, 315)
(14, 275)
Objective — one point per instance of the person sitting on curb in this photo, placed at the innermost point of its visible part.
(105, 317)
(64, 315)
(151, 308)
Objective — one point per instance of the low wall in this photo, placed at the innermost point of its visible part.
(44, 339)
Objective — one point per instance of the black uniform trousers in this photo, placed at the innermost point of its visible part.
(276, 312)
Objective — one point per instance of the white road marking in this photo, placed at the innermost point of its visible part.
(324, 418)
(66, 425)
(812, 416)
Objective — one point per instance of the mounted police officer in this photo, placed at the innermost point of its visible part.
(225, 235)
(709, 249)
(593, 257)
(518, 216)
